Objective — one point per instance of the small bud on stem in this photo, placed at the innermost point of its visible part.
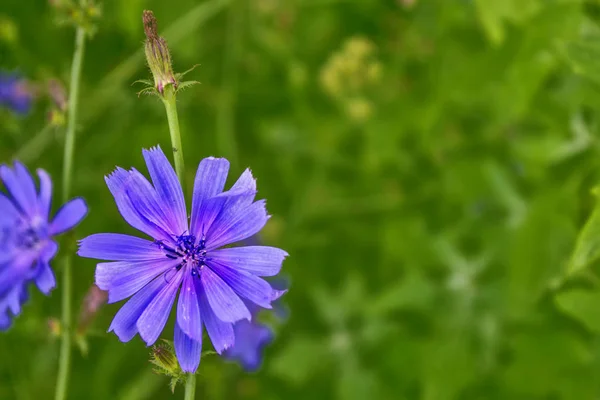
(58, 94)
(93, 301)
(157, 54)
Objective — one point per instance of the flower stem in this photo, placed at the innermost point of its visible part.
(190, 387)
(65, 351)
(73, 108)
(226, 141)
(171, 106)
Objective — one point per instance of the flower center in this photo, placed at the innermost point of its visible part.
(190, 253)
(24, 235)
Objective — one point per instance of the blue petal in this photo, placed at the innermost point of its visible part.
(45, 195)
(224, 302)
(14, 187)
(145, 201)
(68, 216)
(250, 341)
(124, 323)
(188, 350)
(167, 186)
(247, 183)
(277, 294)
(209, 182)
(45, 280)
(9, 212)
(235, 225)
(220, 333)
(211, 209)
(153, 319)
(15, 299)
(125, 278)
(188, 309)
(258, 260)
(115, 246)
(246, 285)
(10, 304)
(117, 183)
(5, 321)
(16, 270)
(27, 185)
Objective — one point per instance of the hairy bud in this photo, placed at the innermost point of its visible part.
(157, 54)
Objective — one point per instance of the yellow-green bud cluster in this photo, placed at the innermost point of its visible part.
(350, 75)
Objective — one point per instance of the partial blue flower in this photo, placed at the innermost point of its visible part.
(27, 236)
(213, 282)
(251, 338)
(14, 93)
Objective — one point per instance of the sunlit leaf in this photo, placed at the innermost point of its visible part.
(587, 247)
(583, 305)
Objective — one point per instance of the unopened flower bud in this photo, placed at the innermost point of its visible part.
(94, 299)
(163, 357)
(54, 327)
(56, 118)
(58, 94)
(157, 54)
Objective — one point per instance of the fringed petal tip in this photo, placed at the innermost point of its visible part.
(277, 294)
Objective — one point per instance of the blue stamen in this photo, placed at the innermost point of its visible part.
(187, 251)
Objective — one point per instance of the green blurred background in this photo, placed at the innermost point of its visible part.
(428, 164)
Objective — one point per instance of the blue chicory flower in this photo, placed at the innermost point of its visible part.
(27, 236)
(14, 93)
(251, 338)
(214, 281)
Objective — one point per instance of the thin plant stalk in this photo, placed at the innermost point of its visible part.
(170, 103)
(65, 351)
(190, 387)
(226, 142)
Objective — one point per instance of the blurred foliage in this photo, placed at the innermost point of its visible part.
(428, 164)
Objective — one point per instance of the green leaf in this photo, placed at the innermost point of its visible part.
(185, 85)
(451, 366)
(549, 361)
(493, 14)
(357, 383)
(584, 56)
(587, 247)
(539, 249)
(582, 305)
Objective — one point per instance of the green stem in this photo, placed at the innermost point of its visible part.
(72, 113)
(170, 102)
(65, 351)
(190, 387)
(226, 142)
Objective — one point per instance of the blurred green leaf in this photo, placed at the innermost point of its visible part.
(540, 246)
(584, 56)
(300, 360)
(582, 305)
(587, 247)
